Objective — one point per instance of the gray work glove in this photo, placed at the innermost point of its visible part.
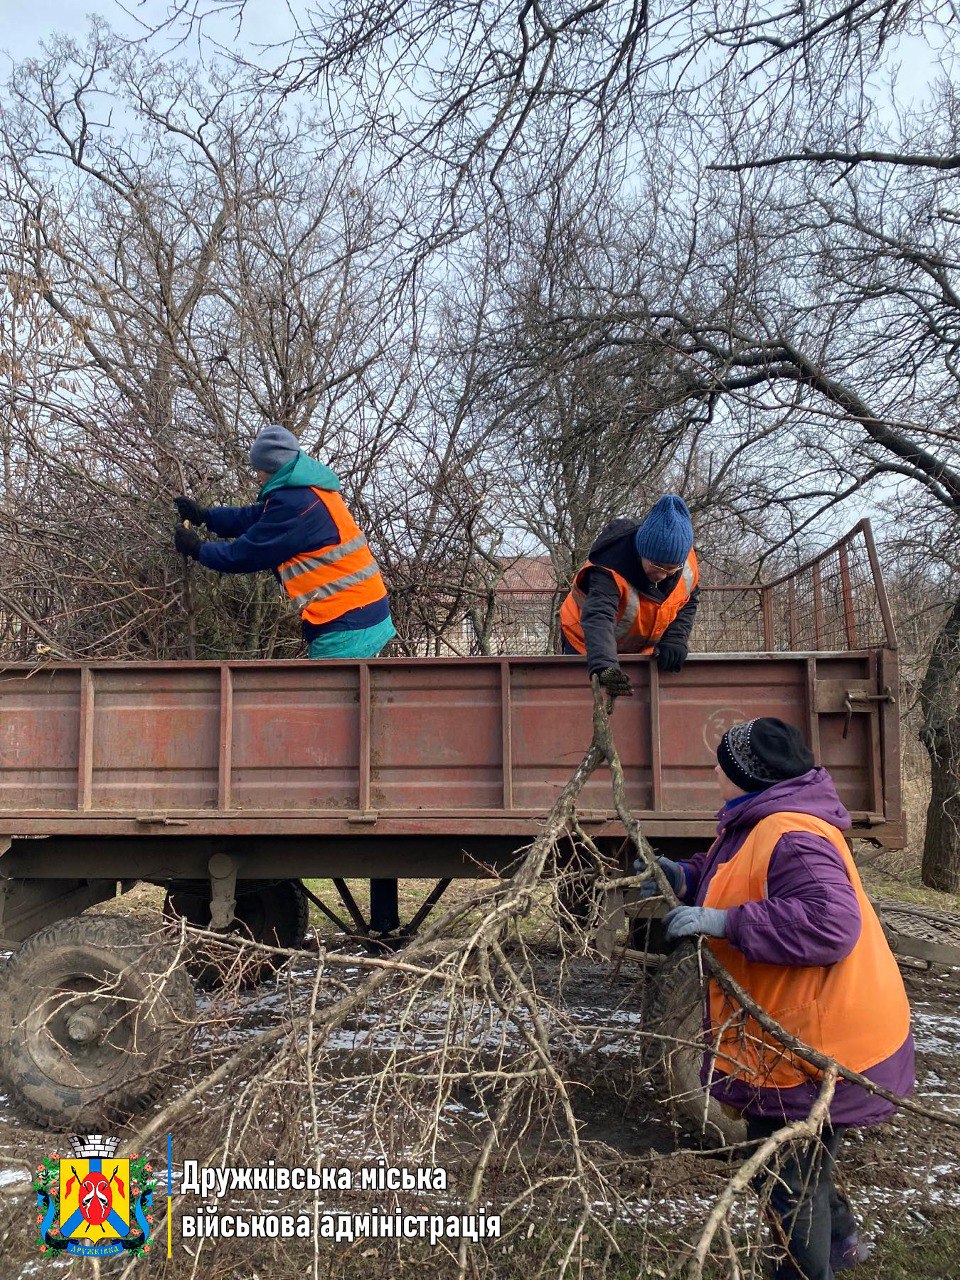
(615, 683)
(687, 922)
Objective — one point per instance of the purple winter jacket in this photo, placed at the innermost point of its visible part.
(810, 917)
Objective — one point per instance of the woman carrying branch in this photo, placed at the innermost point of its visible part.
(780, 903)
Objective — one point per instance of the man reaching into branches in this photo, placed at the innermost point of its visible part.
(301, 529)
(637, 593)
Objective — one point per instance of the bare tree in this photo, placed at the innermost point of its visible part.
(848, 324)
(208, 275)
(513, 74)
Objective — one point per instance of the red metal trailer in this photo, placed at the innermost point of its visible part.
(413, 767)
(230, 782)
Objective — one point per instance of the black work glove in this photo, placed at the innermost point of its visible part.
(671, 655)
(187, 541)
(616, 683)
(187, 509)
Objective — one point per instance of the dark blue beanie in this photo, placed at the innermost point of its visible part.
(666, 536)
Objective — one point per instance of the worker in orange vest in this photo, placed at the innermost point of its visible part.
(637, 593)
(779, 901)
(300, 528)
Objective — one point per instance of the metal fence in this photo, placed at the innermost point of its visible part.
(834, 602)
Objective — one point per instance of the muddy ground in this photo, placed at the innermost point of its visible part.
(902, 1178)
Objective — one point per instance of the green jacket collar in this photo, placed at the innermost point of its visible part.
(302, 472)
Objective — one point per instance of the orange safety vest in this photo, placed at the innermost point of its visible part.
(640, 620)
(854, 1011)
(326, 583)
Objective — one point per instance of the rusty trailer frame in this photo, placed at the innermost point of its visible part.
(422, 767)
(394, 767)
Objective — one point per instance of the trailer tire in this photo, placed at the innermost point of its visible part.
(274, 914)
(77, 1056)
(675, 1010)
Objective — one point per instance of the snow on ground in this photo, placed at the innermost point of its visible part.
(893, 1175)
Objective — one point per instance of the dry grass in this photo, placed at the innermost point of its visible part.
(895, 873)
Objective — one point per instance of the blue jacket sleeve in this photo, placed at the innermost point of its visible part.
(810, 916)
(598, 618)
(265, 545)
(230, 522)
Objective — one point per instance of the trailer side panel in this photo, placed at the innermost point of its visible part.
(422, 745)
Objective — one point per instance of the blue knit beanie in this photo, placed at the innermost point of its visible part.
(666, 536)
(273, 448)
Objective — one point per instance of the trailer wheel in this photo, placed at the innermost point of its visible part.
(272, 914)
(93, 1016)
(675, 1011)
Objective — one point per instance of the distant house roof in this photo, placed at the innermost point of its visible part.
(527, 573)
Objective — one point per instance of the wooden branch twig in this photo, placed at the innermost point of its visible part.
(796, 1131)
(188, 582)
(37, 628)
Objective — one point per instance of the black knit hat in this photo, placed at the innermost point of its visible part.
(761, 752)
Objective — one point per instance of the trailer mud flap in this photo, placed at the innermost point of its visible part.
(27, 906)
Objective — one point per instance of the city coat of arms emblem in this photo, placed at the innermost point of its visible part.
(92, 1204)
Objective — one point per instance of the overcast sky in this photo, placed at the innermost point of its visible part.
(27, 22)
(24, 23)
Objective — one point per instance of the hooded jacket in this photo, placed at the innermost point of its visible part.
(615, 549)
(810, 916)
(286, 521)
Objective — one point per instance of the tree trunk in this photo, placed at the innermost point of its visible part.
(483, 624)
(940, 700)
